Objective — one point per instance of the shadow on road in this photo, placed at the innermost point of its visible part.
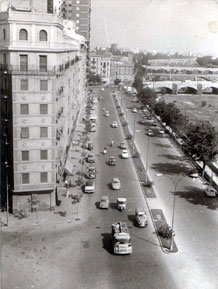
(171, 168)
(196, 196)
(131, 218)
(172, 157)
(97, 204)
(162, 145)
(113, 206)
(107, 243)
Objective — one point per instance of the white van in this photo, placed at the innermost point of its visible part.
(93, 118)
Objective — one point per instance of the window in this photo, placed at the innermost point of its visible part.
(24, 109)
(23, 35)
(77, 8)
(77, 15)
(24, 84)
(43, 63)
(43, 85)
(23, 62)
(43, 177)
(42, 35)
(4, 34)
(77, 21)
(25, 178)
(43, 132)
(77, 2)
(43, 155)
(43, 109)
(24, 132)
(25, 155)
(4, 58)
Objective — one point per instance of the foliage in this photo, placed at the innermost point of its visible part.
(117, 81)
(147, 96)
(169, 114)
(94, 78)
(202, 141)
(207, 61)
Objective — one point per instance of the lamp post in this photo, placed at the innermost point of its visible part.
(7, 196)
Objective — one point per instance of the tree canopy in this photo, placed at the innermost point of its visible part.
(94, 78)
(201, 141)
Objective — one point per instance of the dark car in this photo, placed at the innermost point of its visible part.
(112, 161)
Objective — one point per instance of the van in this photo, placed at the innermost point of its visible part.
(93, 118)
(141, 217)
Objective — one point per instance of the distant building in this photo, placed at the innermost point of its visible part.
(173, 62)
(100, 63)
(42, 87)
(122, 67)
(78, 11)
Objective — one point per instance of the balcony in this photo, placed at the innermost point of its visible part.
(31, 70)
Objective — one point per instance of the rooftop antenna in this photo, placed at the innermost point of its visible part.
(106, 31)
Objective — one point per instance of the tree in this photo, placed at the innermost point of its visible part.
(202, 141)
(147, 96)
(94, 78)
(117, 81)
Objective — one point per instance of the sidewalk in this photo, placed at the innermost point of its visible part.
(67, 209)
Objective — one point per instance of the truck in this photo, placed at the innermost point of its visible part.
(121, 238)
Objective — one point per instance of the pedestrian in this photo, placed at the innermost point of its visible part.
(104, 151)
(112, 142)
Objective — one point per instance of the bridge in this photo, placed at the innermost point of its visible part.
(175, 86)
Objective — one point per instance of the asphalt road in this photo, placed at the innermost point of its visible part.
(78, 254)
(196, 217)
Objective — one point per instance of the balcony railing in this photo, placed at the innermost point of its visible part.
(16, 69)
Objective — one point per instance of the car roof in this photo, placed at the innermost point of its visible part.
(104, 198)
(115, 179)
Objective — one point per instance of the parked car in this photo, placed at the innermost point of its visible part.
(161, 131)
(91, 173)
(141, 217)
(116, 184)
(193, 173)
(114, 124)
(154, 123)
(134, 109)
(142, 121)
(210, 192)
(102, 89)
(90, 158)
(121, 204)
(107, 113)
(90, 187)
(123, 145)
(93, 128)
(104, 202)
(112, 161)
(150, 132)
(125, 154)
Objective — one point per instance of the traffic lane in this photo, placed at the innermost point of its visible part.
(127, 271)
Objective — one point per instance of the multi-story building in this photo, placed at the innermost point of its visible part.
(100, 63)
(122, 67)
(42, 85)
(78, 11)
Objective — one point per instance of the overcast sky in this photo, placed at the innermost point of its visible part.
(156, 25)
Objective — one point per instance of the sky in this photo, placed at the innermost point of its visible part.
(183, 26)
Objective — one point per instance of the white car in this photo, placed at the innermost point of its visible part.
(210, 192)
(104, 203)
(116, 184)
(161, 131)
(90, 187)
(150, 132)
(125, 154)
(114, 124)
(107, 113)
(102, 89)
(123, 145)
(134, 110)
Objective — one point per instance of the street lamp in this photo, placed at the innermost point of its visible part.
(7, 196)
(175, 183)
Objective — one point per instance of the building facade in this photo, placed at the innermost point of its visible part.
(79, 11)
(100, 63)
(42, 85)
(122, 68)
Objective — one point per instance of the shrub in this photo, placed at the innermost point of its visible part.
(203, 103)
(121, 114)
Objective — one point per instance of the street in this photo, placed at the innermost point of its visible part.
(79, 254)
